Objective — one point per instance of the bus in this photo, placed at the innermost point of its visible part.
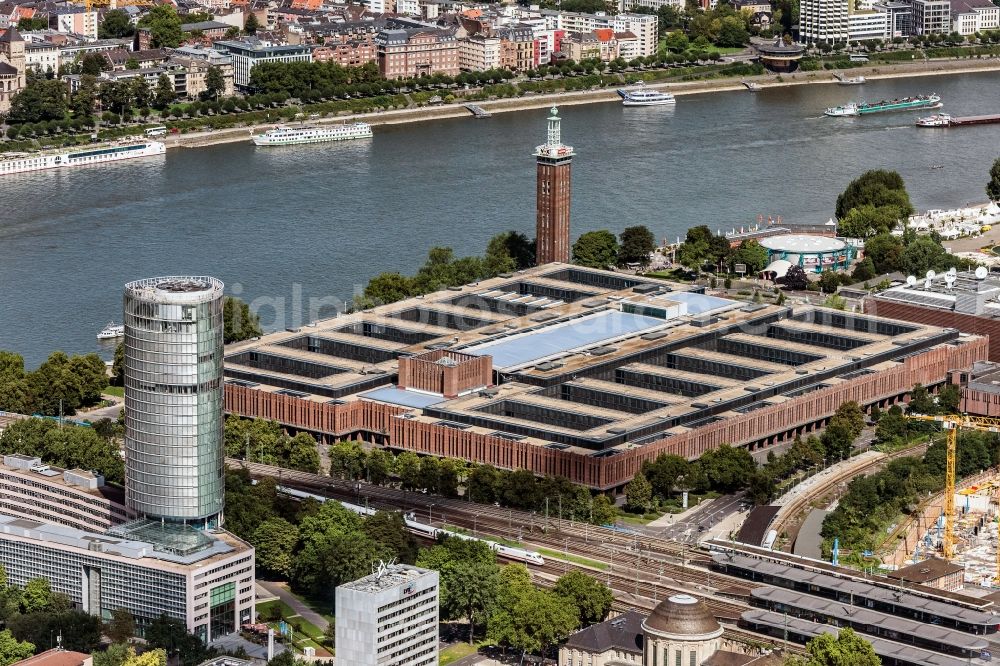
(857, 57)
(156, 131)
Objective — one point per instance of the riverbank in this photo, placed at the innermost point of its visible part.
(541, 101)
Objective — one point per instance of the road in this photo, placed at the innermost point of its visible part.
(695, 523)
(280, 590)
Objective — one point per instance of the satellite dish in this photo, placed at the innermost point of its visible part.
(950, 279)
(952, 271)
(911, 280)
(931, 274)
(981, 273)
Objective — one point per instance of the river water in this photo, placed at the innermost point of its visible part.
(294, 230)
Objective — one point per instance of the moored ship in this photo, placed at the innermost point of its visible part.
(287, 136)
(645, 97)
(937, 120)
(12, 163)
(931, 101)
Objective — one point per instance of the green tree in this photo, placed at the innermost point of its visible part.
(164, 94)
(251, 24)
(171, 636)
(835, 302)
(121, 627)
(867, 220)
(509, 251)
(949, 399)
(118, 366)
(115, 655)
(591, 598)
(215, 82)
(603, 510)
(164, 27)
(751, 253)
(116, 24)
(677, 41)
(877, 188)
(380, 466)
(993, 186)
(149, 658)
(728, 468)
(665, 473)
(526, 618)
(863, 271)
(846, 648)
(636, 245)
(275, 541)
(761, 488)
(923, 254)
(239, 322)
(33, 23)
(732, 32)
(408, 464)
(92, 64)
(15, 389)
(303, 453)
(388, 288)
(921, 401)
(12, 650)
(596, 249)
(886, 253)
(36, 596)
(81, 632)
(40, 100)
(638, 493)
(829, 282)
(795, 279)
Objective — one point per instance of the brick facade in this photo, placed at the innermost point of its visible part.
(553, 210)
(967, 323)
(446, 373)
(383, 424)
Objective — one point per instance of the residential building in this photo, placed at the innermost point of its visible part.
(644, 26)
(57, 657)
(174, 466)
(12, 67)
(248, 53)
(582, 46)
(205, 579)
(971, 16)
(410, 52)
(119, 59)
(631, 5)
(517, 48)
(210, 30)
(72, 497)
(74, 20)
(389, 618)
(196, 75)
(70, 53)
(479, 53)
(575, 21)
(824, 21)
(628, 45)
(553, 195)
(348, 52)
(931, 16)
(41, 56)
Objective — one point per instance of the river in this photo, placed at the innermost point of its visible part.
(296, 229)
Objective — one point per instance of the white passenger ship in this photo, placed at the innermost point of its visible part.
(286, 136)
(645, 97)
(11, 163)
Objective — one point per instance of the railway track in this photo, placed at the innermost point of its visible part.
(796, 506)
(641, 570)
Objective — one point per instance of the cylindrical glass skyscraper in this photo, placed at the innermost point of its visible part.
(174, 400)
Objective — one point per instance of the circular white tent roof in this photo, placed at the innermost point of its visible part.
(779, 267)
(802, 243)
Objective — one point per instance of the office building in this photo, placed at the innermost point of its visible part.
(389, 618)
(552, 195)
(173, 399)
(72, 497)
(931, 16)
(248, 53)
(205, 579)
(644, 26)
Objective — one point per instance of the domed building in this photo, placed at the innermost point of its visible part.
(681, 631)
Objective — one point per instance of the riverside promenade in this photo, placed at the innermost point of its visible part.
(545, 100)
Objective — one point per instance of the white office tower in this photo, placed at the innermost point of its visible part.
(389, 618)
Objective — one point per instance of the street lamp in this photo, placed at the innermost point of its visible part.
(430, 516)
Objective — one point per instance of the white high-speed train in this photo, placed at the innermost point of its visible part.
(425, 530)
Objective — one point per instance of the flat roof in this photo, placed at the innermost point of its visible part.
(564, 337)
(802, 243)
(387, 577)
(884, 648)
(700, 303)
(402, 397)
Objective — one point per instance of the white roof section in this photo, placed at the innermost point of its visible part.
(779, 267)
(802, 243)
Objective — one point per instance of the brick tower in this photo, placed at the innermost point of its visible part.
(553, 196)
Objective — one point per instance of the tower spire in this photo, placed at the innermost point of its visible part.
(552, 207)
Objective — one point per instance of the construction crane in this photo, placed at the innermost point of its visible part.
(952, 423)
(115, 4)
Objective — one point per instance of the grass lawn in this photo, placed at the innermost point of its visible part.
(456, 652)
(117, 391)
(321, 607)
(265, 609)
(575, 559)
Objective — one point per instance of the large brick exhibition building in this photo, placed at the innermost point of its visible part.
(581, 373)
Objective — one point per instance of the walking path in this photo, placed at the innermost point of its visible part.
(281, 591)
